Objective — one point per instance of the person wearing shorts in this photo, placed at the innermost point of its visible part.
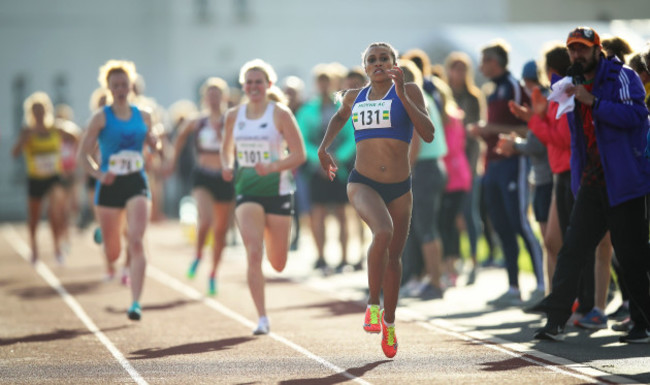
(384, 115)
(268, 146)
(122, 191)
(214, 196)
(40, 141)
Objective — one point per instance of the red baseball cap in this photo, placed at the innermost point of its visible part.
(583, 35)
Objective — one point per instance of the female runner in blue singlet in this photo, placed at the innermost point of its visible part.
(121, 130)
(379, 187)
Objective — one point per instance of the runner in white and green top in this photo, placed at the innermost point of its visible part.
(265, 140)
(259, 141)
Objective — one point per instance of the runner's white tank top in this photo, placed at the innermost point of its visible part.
(259, 141)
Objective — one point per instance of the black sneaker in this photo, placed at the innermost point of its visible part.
(342, 267)
(320, 264)
(471, 278)
(550, 332)
(624, 326)
(620, 314)
(536, 308)
(638, 335)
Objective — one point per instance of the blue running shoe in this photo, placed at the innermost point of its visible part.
(97, 236)
(135, 312)
(593, 320)
(212, 286)
(192, 271)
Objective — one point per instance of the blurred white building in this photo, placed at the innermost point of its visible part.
(57, 45)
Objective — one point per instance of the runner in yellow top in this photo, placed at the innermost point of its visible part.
(41, 141)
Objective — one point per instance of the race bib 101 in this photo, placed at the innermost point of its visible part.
(125, 162)
(371, 114)
(251, 152)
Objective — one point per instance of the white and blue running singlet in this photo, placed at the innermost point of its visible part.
(382, 118)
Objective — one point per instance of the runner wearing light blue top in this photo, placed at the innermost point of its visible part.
(120, 144)
(122, 192)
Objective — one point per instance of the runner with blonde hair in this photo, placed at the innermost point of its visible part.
(213, 195)
(41, 141)
(121, 130)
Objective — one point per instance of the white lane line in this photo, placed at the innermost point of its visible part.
(520, 351)
(194, 294)
(12, 236)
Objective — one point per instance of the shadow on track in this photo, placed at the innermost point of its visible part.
(336, 378)
(58, 334)
(334, 308)
(192, 348)
(161, 306)
(39, 292)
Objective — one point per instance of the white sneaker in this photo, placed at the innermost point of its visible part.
(575, 317)
(263, 327)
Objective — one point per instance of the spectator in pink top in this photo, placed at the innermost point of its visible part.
(459, 183)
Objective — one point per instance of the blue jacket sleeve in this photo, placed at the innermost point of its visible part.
(624, 107)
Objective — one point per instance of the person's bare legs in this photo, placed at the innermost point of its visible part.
(205, 216)
(602, 272)
(276, 237)
(222, 213)
(110, 223)
(56, 215)
(339, 213)
(33, 217)
(250, 221)
(372, 209)
(317, 216)
(137, 214)
(400, 212)
(553, 243)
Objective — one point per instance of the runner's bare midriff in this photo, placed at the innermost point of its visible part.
(383, 160)
(209, 161)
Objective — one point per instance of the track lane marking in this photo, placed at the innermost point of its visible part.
(23, 250)
(513, 349)
(194, 294)
(544, 360)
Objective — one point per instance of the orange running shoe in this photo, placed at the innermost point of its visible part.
(371, 322)
(388, 338)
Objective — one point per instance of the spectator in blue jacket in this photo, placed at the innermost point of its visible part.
(610, 177)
